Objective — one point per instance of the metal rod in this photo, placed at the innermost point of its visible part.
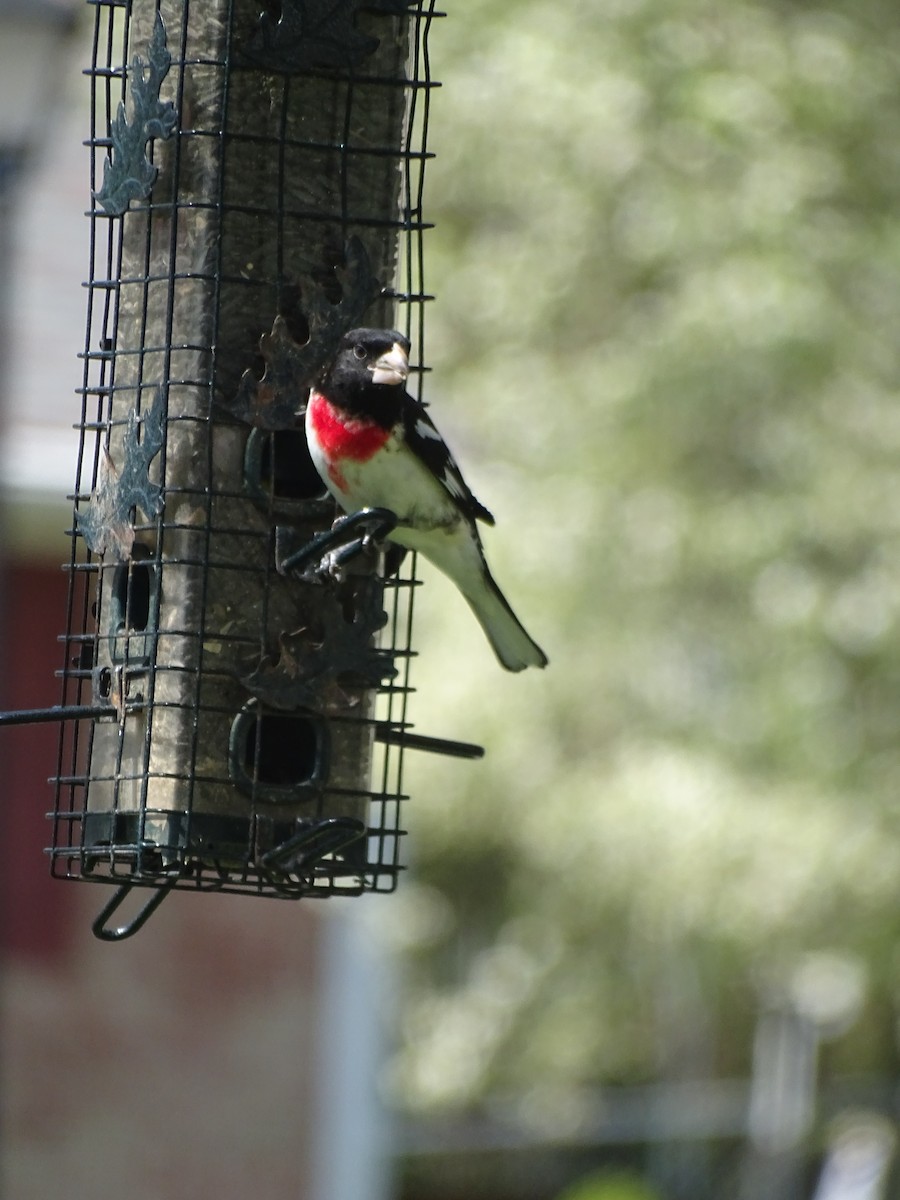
(389, 735)
(59, 712)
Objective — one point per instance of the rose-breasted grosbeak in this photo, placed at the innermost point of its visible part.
(375, 446)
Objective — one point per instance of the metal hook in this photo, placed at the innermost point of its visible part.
(311, 844)
(118, 934)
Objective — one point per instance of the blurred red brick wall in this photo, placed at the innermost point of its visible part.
(34, 907)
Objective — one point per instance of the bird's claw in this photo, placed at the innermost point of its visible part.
(332, 567)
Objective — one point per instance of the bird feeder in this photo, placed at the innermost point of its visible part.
(236, 663)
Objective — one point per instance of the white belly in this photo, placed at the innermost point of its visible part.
(405, 487)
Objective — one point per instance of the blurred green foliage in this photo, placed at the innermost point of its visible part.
(665, 349)
(604, 1185)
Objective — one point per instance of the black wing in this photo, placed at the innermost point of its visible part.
(426, 443)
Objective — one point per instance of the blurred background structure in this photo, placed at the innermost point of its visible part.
(648, 950)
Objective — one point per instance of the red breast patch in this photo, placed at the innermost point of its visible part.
(342, 436)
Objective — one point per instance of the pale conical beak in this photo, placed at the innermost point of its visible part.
(391, 368)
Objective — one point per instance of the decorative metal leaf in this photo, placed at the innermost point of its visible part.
(275, 401)
(309, 661)
(129, 174)
(107, 525)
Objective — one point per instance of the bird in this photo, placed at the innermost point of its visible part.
(375, 446)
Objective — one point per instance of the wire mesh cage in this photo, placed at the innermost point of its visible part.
(240, 716)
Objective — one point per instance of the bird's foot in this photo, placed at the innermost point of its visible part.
(331, 566)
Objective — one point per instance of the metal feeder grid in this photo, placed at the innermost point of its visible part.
(234, 719)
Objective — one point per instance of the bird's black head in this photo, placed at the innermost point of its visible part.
(370, 368)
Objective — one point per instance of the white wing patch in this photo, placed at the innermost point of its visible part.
(453, 482)
(430, 449)
(450, 476)
(426, 430)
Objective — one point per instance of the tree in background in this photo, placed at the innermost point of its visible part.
(665, 348)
